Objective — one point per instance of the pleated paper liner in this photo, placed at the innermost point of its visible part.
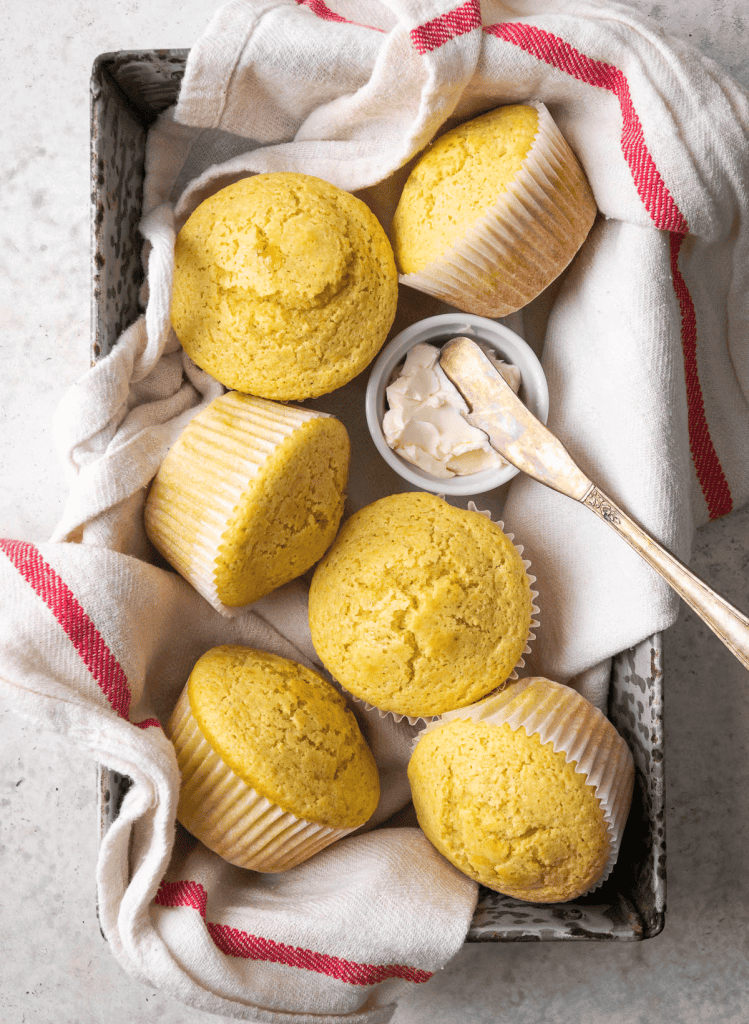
(574, 727)
(230, 817)
(228, 452)
(534, 624)
(523, 242)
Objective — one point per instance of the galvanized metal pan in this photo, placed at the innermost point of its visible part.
(129, 89)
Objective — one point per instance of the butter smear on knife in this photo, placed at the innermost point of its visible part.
(426, 420)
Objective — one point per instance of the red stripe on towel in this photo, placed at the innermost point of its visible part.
(553, 50)
(435, 33)
(709, 471)
(234, 942)
(323, 11)
(665, 214)
(183, 894)
(76, 624)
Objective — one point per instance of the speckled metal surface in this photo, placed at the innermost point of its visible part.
(113, 788)
(128, 90)
(636, 709)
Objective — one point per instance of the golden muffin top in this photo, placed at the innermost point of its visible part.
(508, 811)
(456, 180)
(284, 286)
(527, 791)
(287, 732)
(249, 497)
(419, 607)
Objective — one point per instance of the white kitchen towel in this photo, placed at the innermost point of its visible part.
(96, 647)
(642, 340)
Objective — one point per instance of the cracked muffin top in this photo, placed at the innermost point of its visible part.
(514, 810)
(284, 287)
(419, 607)
(287, 732)
(456, 180)
(249, 497)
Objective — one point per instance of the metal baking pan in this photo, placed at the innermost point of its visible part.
(129, 89)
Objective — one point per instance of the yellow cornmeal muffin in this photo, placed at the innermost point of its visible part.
(274, 767)
(527, 792)
(249, 497)
(492, 212)
(284, 286)
(419, 607)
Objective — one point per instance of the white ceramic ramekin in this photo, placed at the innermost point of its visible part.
(438, 330)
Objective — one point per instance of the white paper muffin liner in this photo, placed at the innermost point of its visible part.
(232, 818)
(523, 242)
(188, 533)
(534, 624)
(574, 727)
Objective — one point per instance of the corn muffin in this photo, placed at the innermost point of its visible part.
(274, 767)
(249, 497)
(492, 212)
(419, 607)
(284, 286)
(526, 792)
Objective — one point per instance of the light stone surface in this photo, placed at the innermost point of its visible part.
(55, 967)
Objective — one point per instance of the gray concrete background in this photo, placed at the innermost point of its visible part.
(54, 966)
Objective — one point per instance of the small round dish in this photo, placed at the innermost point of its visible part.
(438, 330)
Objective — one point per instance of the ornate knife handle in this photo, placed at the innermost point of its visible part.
(725, 621)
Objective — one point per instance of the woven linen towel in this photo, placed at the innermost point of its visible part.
(96, 646)
(643, 344)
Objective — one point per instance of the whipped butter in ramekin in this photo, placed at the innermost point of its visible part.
(427, 418)
(436, 331)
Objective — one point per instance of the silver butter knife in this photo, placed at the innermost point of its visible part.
(526, 443)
